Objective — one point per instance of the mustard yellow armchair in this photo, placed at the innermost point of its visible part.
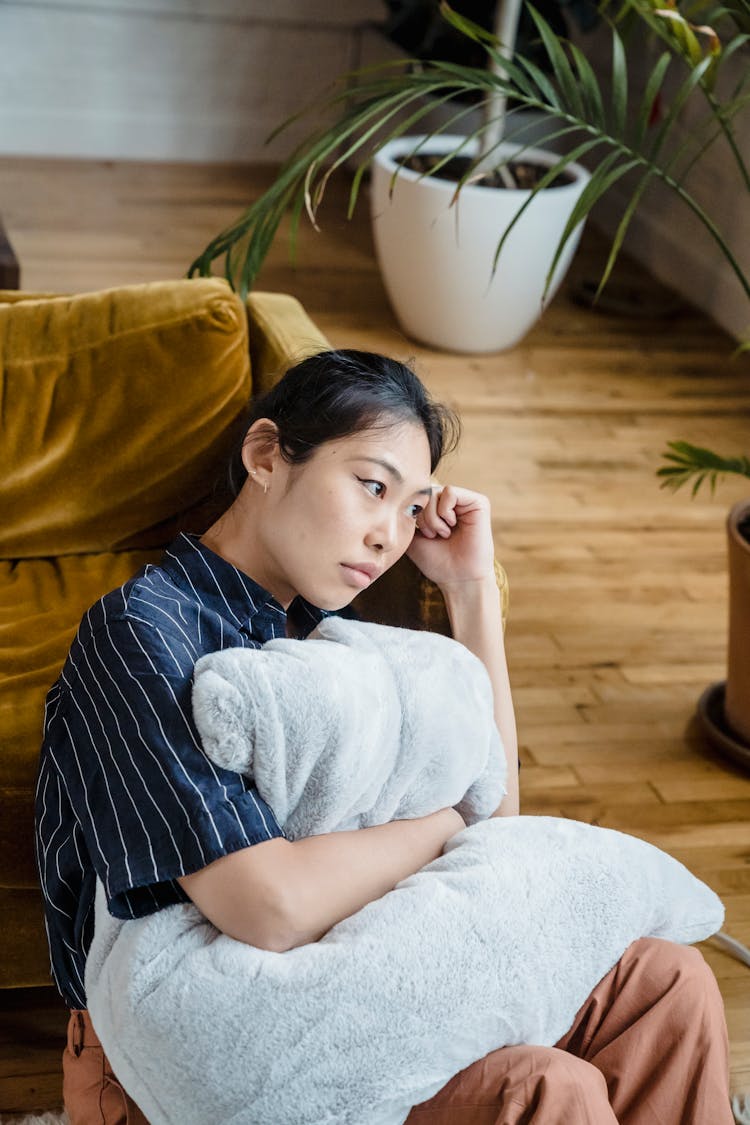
(118, 412)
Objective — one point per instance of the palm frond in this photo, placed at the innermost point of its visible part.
(688, 462)
(694, 43)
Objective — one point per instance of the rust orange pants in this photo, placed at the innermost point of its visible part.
(649, 1047)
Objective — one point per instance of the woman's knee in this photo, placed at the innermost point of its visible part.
(522, 1076)
(681, 970)
(671, 960)
(564, 1070)
(541, 1073)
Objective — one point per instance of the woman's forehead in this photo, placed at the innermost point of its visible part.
(403, 446)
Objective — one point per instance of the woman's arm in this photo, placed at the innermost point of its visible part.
(454, 548)
(475, 615)
(279, 894)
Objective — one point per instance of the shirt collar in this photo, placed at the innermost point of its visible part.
(235, 596)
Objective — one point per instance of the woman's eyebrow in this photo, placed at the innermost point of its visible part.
(389, 468)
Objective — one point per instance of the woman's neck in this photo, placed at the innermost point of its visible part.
(228, 538)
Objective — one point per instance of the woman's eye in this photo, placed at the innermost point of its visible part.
(375, 487)
(415, 509)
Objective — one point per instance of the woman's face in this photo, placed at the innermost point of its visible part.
(353, 505)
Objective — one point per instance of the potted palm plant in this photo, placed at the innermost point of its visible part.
(445, 289)
(724, 707)
(377, 111)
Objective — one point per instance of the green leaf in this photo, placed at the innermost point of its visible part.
(602, 179)
(546, 91)
(619, 84)
(594, 104)
(692, 462)
(653, 87)
(560, 64)
(621, 231)
(677, 103)
(730, 49)
(466, 26)
(544, 182)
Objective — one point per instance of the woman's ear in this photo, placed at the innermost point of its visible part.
(260, 450)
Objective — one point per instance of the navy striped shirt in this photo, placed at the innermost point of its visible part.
(125, 791)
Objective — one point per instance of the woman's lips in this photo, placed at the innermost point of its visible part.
(355, 577)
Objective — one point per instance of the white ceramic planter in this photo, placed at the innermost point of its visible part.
(436, 259)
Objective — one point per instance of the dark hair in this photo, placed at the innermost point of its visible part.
(337, 393)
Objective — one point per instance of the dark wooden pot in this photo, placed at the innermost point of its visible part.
(737, 698)
(724, 708)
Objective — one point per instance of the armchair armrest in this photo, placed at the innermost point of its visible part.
(281, 333)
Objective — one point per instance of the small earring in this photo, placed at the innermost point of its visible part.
(253, 474)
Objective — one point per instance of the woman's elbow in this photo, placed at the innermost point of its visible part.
(269, 932)
(243, 895)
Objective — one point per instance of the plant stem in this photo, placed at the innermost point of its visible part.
(507, 15)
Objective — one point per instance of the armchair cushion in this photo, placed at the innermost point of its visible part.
(116, 411)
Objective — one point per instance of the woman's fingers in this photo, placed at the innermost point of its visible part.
(431, 520)
(446, 505)
(445, 508)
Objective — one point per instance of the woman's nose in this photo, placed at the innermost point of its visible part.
(382, 536)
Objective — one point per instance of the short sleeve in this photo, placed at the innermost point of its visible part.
(152, 806)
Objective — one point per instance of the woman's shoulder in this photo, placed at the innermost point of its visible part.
(134, 602)
(146, 626)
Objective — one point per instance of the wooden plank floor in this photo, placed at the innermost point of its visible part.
(618, 615)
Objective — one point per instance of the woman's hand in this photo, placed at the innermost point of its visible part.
(453, 543)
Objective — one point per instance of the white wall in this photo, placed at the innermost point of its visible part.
(167, 79)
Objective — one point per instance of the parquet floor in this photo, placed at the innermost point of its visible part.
(618, 613)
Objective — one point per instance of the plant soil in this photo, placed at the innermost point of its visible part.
(525, 173)
(743, 527)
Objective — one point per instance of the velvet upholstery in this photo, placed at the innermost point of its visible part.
(118, 411)
(115, 410)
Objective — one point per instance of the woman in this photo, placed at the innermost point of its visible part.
(332, 486)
